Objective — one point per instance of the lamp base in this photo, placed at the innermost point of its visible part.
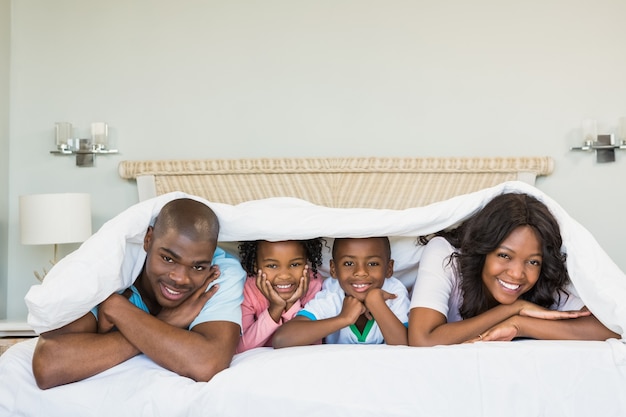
(52, 262)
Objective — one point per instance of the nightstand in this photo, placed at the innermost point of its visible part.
(12, 332)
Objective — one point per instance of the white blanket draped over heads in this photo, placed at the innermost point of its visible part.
(112, 258)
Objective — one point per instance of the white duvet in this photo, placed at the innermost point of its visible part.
(522, 378)
(87, 276)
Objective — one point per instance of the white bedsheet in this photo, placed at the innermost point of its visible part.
(524, 378)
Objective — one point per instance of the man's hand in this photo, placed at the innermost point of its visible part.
(182, 315)
(105, 324)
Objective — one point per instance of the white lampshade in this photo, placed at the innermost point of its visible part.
(47, 219)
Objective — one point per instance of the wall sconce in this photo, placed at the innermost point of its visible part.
(603, 144)
(53, 219)
(84, 149)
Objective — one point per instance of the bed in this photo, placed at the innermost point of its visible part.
(300, 198)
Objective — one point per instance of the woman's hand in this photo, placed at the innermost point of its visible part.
(502, 332)
(512, 327)
(532, 310)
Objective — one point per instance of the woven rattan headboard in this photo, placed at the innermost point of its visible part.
(392, 183)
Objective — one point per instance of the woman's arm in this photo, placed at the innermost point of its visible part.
(428, 327)
(581, 328)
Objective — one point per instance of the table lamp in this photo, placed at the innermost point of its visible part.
(54, 219)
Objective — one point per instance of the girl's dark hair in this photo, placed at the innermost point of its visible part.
(484, 232)
(312, 249)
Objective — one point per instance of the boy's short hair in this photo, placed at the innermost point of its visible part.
(346, 239)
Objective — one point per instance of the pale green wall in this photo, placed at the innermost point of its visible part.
(227, 79)
(5, 12)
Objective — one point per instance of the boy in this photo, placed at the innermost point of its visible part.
(152, 317)
(361, 303)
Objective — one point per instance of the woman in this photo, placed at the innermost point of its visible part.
(499, 276)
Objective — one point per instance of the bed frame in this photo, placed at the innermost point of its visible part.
(389, 183)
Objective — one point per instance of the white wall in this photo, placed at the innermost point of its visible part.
(5, 21)
(228, 79)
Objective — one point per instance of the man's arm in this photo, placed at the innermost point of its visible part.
(210, 345)
(198, 354)
(76, 351)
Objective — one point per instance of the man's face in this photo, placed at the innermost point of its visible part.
(176, 266)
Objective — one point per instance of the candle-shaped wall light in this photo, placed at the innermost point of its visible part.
(85, 149)
(100, 135)
(603, 144)
(622, 130)
(590, 131)
(63, 133)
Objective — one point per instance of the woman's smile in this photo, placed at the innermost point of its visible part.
(513, 267)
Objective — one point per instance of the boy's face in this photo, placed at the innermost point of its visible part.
(360, 265)
(283, 265)
(176, 266)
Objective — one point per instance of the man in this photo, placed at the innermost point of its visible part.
(168, 314)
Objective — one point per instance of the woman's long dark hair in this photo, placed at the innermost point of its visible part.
(482, 233)
(312, 249)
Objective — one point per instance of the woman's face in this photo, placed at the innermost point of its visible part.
(513, 267)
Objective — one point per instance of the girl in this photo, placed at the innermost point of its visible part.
(279, 283)
(498, 276)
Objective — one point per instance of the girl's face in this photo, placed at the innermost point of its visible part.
(283, 264)
(513, 268)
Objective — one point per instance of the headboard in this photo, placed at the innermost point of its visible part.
(377, 182)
